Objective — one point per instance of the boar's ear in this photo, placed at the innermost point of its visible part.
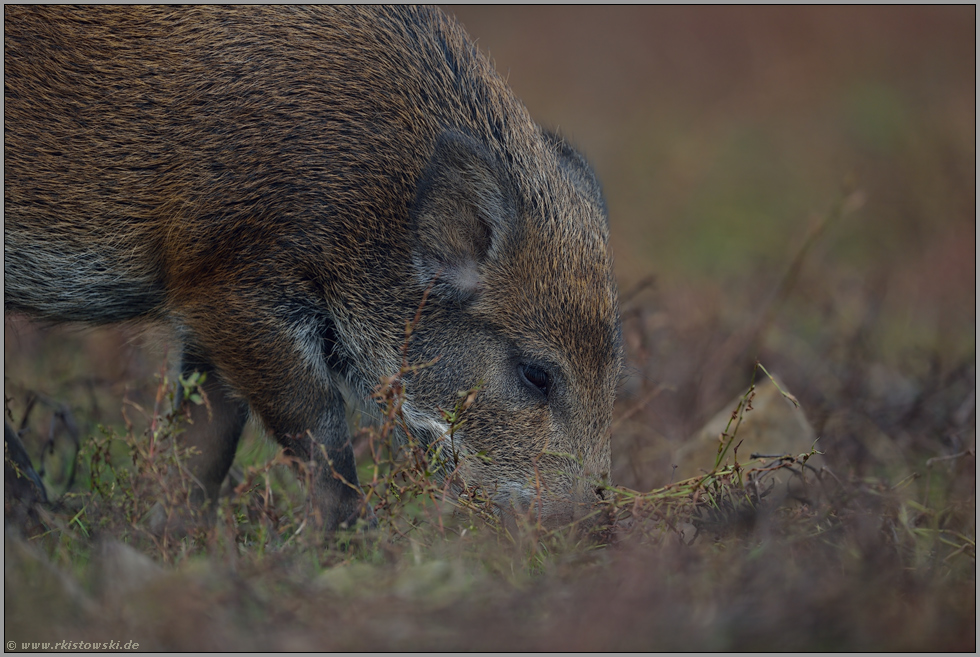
(463, 212)
(578, 170)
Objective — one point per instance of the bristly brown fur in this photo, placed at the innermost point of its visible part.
(281, 184)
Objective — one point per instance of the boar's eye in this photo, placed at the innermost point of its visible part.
(535, 377)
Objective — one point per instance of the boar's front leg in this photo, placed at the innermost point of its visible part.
(214, 430)
(212, 437)
(277, 364)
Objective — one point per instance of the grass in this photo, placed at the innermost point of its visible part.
(733, 558)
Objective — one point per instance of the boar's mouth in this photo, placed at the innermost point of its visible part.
(551, 510)
(571, 503)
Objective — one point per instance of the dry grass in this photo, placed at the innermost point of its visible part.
(734, 558)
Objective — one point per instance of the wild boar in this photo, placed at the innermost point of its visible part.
(280, 185)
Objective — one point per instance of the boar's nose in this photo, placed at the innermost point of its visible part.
(581, 505)
(588, 512)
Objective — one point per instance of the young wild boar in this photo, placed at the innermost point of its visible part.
(281, 185)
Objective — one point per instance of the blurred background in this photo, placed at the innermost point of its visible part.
(789, 184)
(725, 137)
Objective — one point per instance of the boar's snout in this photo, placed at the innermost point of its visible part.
(579, 505)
